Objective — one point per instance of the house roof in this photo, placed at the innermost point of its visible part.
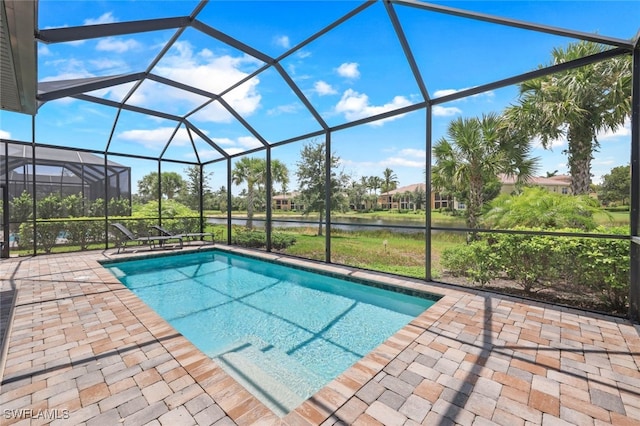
(287, 196)
(538, 180)
(406, 188)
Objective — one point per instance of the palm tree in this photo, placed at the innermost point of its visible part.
(576, 104)
(248, 170)
(280, 174)
(475, 152)
(252, 171)
(389, 180)
(374, 183)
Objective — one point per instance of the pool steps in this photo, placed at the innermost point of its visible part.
(277, 379)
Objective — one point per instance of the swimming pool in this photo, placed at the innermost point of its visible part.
(281, 332)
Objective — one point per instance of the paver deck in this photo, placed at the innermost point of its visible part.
(83, 349)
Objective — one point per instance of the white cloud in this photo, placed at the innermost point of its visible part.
(604, 162)
(323, 88)
(105, 63)
(446, 92)
(440, 111)
(623, 131)
(212, 73)
(412, 152)
(282, 41)
(4, 134)
(249, 142)
(356, 105)
(236, 146)
(348, 70)
(224, 141)
(43, 50)
(556, 143)
(155, 137)
(302, 54)
(67, 69)
(284, 109)
(402, 162)
(408, 157)
(105, 18)
(111, 44)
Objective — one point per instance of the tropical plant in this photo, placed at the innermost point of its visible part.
(252, 172)
(576, 104)
(279, 174)
(248, 170)
(357, 193)
(311, 174)
(616, 186)
(196, 185)
(374, 183)
(21, 208)
(473, 154)
(536, 207)
(389, 180)
(419, 197)
(49, 207)
(171, 184)
(73, 205)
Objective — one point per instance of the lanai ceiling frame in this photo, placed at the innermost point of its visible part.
(181, 23)
(78, 89)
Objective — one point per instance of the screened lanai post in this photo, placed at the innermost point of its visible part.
(229, 200)
(33, 182)
(634, 281)
(5, 218)
(267, 224)
(201, 200)
(159, 192)
(427, 190)
(327, 197)
(106, 194)
(5, 201)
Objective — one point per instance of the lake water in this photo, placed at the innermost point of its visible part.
(345, 224)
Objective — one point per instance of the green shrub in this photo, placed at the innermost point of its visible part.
(538, 208)
(282, 241)
(46, 234)
(529, 260)
(254, 238)
(588, 265)
(84, 232)
(251, 238)
(476, 261)
(604, 266)
(49, 207)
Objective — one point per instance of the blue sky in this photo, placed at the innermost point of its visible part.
(354, 71)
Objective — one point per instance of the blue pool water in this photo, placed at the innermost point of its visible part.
(282, 332)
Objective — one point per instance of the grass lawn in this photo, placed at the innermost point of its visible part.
(391, 215)
(612, 218)
(383, 251)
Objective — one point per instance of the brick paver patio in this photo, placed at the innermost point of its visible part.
(82, 349)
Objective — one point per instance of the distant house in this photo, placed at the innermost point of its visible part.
(560, 184)
(398, 199)
(285, 202)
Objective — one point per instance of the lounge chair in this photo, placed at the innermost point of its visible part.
(192, 236)
(149, 240)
